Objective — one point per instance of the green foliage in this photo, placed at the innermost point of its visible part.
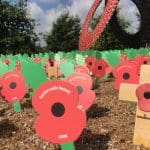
(65, 34)
(16, 28)
(107, 41)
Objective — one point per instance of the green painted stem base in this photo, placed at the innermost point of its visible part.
(106, 76)
(67, 146)
(96, 80)
(17, 106)
(133, 104)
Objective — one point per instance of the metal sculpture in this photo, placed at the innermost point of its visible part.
(88, 38)
(141, 38)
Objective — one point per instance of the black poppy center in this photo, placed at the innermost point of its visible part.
(52, 64)
(79, 89)
(126, 76)
(99, 67)
(58, 109)
(13, 85)
(147, 95)
(145, 62)
(90, 63)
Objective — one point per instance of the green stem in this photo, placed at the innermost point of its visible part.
(96, 80)
(106, 76)
(17, 106)
(67, 146)
(133, 103)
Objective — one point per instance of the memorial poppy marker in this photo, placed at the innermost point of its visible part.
(83, 84)
(52, 72)
(99, 68)
(13, 88)
(142, 59)
(140, 93)
(56, 103)
(90, 62)
(126, 72)
(60, 121)
(82, 69)
(123, 58)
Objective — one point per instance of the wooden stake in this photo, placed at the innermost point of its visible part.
(127, 92)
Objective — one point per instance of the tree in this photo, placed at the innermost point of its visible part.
(16, 28)
(64, 35)
(107, 41)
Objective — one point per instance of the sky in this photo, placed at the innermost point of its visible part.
(45, 12)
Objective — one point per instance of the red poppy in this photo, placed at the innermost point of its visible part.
(37, 59)
(52, 69)
(60, 121)
(81, 78)
(82, 69)
(86, 95)
(48, 64)
(18, 66)
(109, 68)
(7, 61)
(57, 63)
(99, 69)
(143, 95)
(13, 86)
(137, 63)
(142, 59)
(123, 58)
(90, 62)
(51, 61)
(125, 73)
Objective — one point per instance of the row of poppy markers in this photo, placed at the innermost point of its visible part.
(13, 88)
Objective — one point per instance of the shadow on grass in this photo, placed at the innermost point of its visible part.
(90, 141)
(7, 128)
(96, 111)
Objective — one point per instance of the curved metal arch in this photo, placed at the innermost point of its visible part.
(87, 39)
(141, 38)
(130, 40)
